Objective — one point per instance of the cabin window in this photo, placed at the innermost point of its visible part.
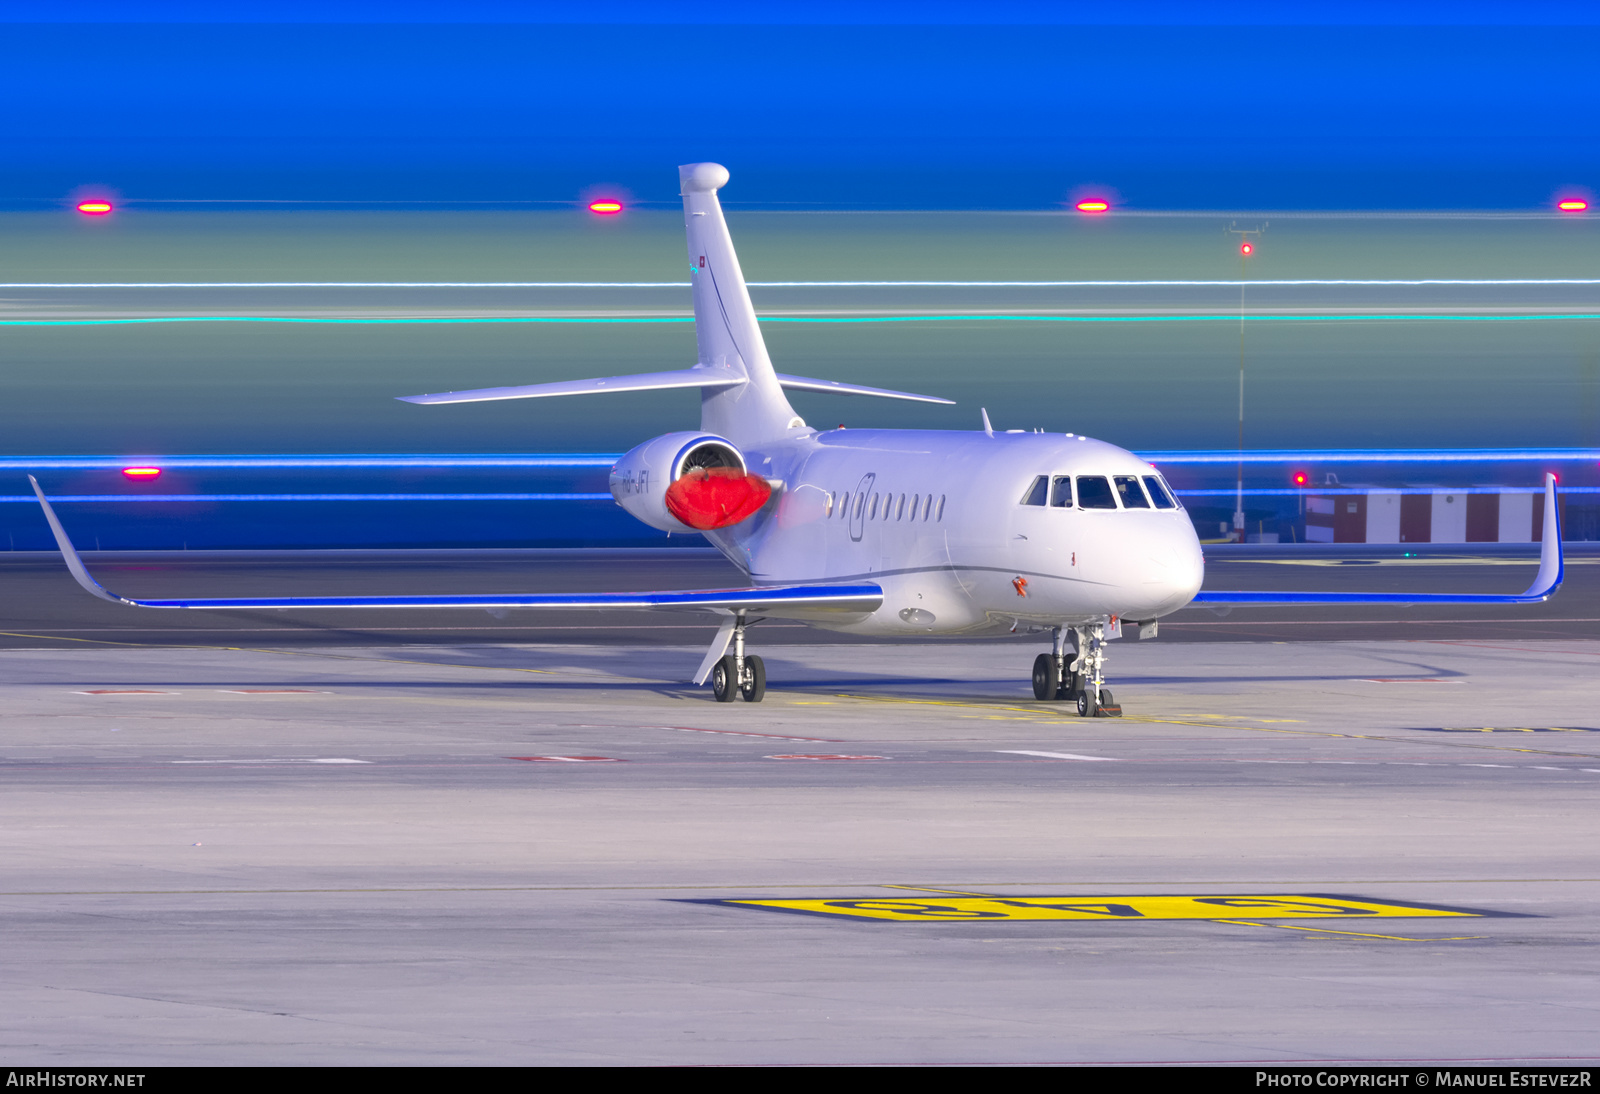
(1158, 492)
(844, 505)
(861, 503)
(941, 508)
(1061, 492)
(900, 513)
(874, 514)
(916, 500)
(1035, 494)
(1094, 492)
(827, 506)
(1130, 493)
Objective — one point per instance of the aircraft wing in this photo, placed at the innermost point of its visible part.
(788, 601)
(1545, 582)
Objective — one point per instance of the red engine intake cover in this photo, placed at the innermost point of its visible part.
(715, 497)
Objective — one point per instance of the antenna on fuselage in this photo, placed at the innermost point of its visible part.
(988, 430)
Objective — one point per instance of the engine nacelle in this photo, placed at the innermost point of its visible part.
(688, 482)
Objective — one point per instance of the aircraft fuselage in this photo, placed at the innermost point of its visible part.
(942, 521)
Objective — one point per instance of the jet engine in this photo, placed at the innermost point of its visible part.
(687, 482)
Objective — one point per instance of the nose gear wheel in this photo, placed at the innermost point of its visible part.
(1079, 677)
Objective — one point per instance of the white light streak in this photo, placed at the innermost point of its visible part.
(1487, 281)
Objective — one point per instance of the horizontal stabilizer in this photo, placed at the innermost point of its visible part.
(705, 378)
(644, 381)
(834, 387)
(1545, 582)
(789, 601)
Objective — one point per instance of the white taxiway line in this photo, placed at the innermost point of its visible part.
(1056, 755)
(231, 763)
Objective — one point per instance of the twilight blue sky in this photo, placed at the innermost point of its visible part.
(944, 105)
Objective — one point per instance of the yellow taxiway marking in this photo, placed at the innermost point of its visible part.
(1037, 712)
(1243, 907)
(1358, 934)
(1056, 712)
(1508, 729)
(1325, 931)
(1057, 716)
(926, 889)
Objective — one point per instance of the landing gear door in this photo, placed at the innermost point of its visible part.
(858, 506)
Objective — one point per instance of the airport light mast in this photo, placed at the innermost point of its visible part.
(1247, 247)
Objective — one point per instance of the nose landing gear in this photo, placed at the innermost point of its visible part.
(1080, 678)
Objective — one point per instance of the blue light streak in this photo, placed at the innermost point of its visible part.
(606, 459)
(28, 499)
(181, 498)
(1361, 492)
(1378, 455)
(169, 463)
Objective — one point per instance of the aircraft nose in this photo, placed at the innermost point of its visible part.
(1174, 569)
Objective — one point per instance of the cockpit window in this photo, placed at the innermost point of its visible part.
(1128, 490)
(1158, 492)
(1036, 492)
(1061, 492)
(1094, 492)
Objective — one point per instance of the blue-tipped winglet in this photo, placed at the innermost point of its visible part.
(1552, 568)
(798, 601)
(68, 552)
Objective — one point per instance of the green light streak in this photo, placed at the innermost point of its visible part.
(439, 320)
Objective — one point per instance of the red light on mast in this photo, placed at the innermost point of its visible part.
(139, 474)
(1573, 205)
(1093, 205)
(94, 208)
(1247, 248)
(605, 208)
(1300, 478)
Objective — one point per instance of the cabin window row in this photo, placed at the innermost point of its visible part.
(923, 507)
(1099, 492)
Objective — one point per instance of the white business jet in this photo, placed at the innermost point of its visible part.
(875, 532)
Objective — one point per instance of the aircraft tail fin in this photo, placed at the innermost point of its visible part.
(725, 326)
(741, 397)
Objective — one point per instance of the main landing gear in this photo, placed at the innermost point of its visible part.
(737, 676)
(1078, 678)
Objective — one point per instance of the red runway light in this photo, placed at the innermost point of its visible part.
(1573, 205)
(605, 208)
(94, 208)
(1092, 206)
(142, 472)
(1247, 248)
